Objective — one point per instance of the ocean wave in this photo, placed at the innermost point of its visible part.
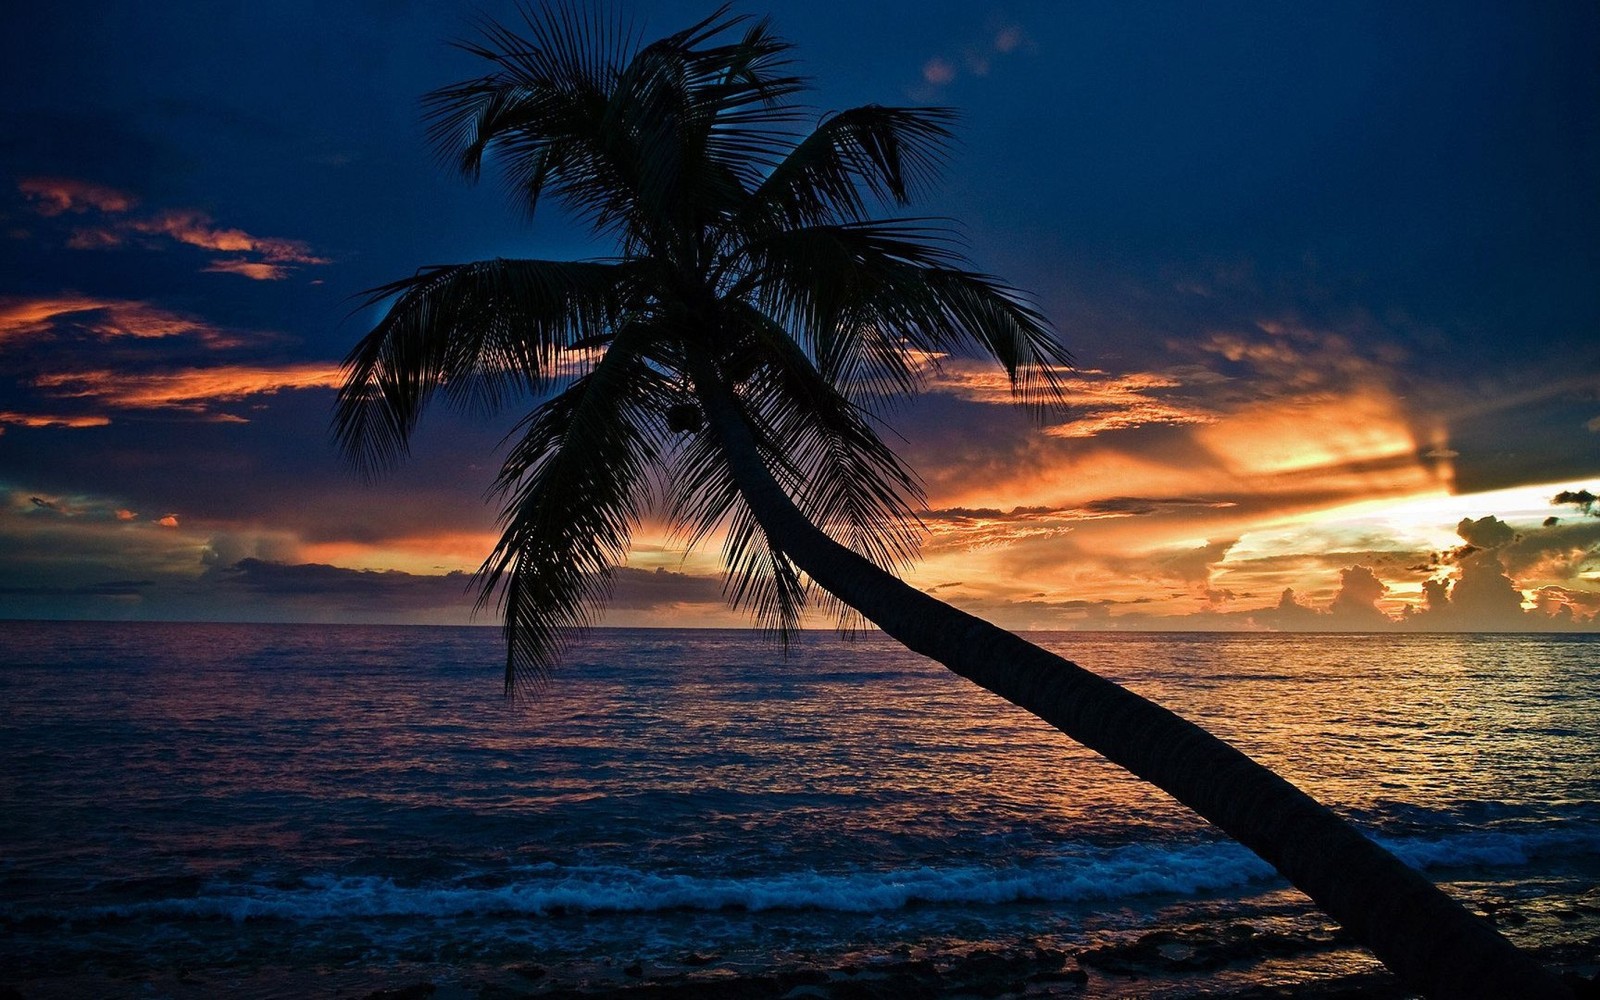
(1494, 848)
(551, 890)
(1077, 874)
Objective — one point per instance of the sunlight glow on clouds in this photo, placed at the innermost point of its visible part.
(102, 318)
(50, 420)
(268, 258)
(52, 196)
(1097, 401)
(193, 389)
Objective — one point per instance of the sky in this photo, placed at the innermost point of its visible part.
(1329, 272)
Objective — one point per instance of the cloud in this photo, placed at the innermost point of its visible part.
(197, 229)
(253, 269)
(195, 389)
(52, 420)
(1143, 506)
(108, 588)
(1485, 532)
(52, 196)
(1356, 604)
(261, 258)
(1584, 500)
(103, 319)
(977, 56)
(1099, 402)
(350, 589)
(647, 590)
(938, 71)
(1556, 552)
(365, 591)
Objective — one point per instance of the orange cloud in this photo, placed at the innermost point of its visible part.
(254, 269)
(103, 318)
(45, 420)
(271, 258)
(197, 229)
(56, 195)
(170, 521)
(191, 389)
(1099, 401)
(1363, 433)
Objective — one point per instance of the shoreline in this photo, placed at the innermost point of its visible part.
(1236, 959)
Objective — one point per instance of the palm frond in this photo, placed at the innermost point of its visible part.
(886, 153)
(630, 141)
(478, 331)
(877, 302)
(573, 487)
(847, 480)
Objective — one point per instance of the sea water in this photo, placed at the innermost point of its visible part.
(232, 806)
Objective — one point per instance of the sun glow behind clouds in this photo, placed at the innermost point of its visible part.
(1424, 521)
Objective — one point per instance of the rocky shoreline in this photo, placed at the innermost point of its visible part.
(1240, 960)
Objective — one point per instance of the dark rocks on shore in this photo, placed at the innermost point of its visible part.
(1199, 949)
(416, 991)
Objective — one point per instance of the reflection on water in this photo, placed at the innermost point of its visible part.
(365, 795)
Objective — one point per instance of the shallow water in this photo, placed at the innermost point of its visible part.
(211, 800)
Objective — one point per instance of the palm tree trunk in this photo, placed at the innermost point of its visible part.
(1430, 941)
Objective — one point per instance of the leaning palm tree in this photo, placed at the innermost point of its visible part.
(726, 371)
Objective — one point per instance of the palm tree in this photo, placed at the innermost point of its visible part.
(727, 369)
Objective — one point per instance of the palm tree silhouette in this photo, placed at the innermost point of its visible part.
(726, 370)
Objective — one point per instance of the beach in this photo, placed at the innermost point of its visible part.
(290, 810)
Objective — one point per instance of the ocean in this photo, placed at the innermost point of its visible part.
(283, 810)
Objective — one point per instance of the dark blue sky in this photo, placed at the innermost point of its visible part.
(1407, 193)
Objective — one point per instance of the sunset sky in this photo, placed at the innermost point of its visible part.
(1330, 272)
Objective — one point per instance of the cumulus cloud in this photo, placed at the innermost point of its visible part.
(1484, 596)
(1485, 532)
(1356, 604)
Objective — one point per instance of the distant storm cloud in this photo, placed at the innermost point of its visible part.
(352, 589)
(387, 591)
(52, 196)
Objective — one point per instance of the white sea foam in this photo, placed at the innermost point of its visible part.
(1079, 874)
